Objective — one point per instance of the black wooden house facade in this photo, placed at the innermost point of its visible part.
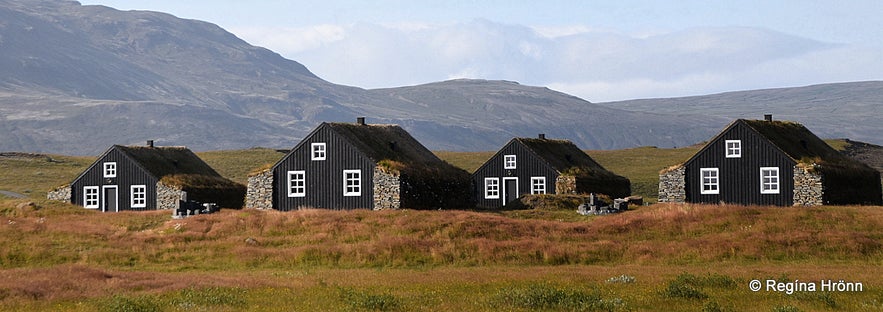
(766, 162)
(150, 178)
(542, 166)
(360, 166)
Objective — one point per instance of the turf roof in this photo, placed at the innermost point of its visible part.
(565, 157)
(386, 142)
(164, 161)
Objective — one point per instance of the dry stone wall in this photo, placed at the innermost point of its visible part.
(259, 194)
(387, 190)
(565, 184)
(169, 197)
(808, 187)
(60, 194)
(673, 186)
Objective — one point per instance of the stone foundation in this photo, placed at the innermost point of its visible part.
(808, 187)
(169, 197)
(387, 190)
(673, 186)
(60, 194)
(259, 194)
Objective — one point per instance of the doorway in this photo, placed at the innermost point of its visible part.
(110, 198)
(510, 190)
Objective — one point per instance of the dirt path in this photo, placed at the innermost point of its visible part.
(12, 194)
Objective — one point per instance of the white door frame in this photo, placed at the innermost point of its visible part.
(504, 191)
(104, 193)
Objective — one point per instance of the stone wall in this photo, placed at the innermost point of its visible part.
(169, 197)
(387, 190)
(259, 194)
(60, 194)
(565, 184)
(673, 186)
(808, 187)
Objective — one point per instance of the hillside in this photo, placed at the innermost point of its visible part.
(80, 78)
(838, 110)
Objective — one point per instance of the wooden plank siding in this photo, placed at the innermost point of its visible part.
(128, 173)
(324, 178)
(528, 165)
(739, 178)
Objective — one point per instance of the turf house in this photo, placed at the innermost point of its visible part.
(766, 162)
(542, 166)
(149, 178)
(359, 166)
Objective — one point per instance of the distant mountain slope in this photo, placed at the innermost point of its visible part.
(839, 110)
(77, 79)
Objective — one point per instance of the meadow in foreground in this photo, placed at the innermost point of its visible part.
(681, 257)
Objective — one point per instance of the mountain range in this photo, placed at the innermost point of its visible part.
(79, 78)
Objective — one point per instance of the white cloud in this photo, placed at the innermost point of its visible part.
(594, 64)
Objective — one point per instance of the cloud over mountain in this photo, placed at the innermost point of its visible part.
(598, 65)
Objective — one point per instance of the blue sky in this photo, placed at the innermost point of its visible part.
(597, 50)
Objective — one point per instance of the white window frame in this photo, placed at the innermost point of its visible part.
(110, 170)
(491, 188)
(774, 180)
(138, 196)
(733, 148)
(95, 201)
(538, 185)
(713, 187)
(509, 162)
(352, 182)
(318, 151)
(295, 190)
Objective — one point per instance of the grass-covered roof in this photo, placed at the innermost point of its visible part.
(565, 157)
(163, 161)
(390, 145)
(802, 145)
(177, 166)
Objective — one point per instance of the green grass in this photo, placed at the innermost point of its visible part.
(237, 164)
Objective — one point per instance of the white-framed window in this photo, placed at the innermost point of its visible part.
(139, 196)
(352, 183)
(769, 180)
(297, 183)
(317, 151)
(734, 148)
(509, 162)
(110, 170)
(538, 185)
(710, 181)
(90, 197)
(491, 188)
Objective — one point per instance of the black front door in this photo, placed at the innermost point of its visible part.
(110, 199)
(510, 190)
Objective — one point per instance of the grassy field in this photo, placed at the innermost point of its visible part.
(55, 256)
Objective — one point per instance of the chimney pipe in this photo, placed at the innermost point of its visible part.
(150, 143)
(360, 120)
(542, 136)
(768, 117)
